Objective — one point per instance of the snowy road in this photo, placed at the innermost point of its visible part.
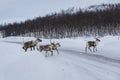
(96, 68)
(69, 65)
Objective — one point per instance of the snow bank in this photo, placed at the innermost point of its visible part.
(72, 63)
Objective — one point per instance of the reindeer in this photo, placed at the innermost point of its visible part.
(31, 44)
(46, 48)
(92, 44)
(55, 46)
(50, 48)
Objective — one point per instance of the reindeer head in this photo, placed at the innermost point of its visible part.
(97, 39)
(39, 40)
(58, 44)
(52, 43)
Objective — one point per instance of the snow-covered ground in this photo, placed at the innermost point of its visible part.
(71, 64)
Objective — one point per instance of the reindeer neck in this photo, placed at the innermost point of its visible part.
(96, 42)
(36, 41)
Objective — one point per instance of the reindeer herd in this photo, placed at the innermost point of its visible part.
(47, 48)
(54, 46)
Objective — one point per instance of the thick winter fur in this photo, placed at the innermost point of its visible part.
(92, 44)
(31, 44)
(50, 48)
(55, 46)
(46, 48)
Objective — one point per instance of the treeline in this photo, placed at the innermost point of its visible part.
(70, 23)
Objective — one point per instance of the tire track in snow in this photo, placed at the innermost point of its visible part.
(91, 56)
(92, 69)
(13, 42)
(108, 63)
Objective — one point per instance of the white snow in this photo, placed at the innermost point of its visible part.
(71, 64)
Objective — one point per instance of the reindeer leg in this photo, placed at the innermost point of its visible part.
(89, 49)
(26, 49)
(57, 51)
(46, 54)
(23, 48)
(86, 49)
(34, 47)
(31, 48)
(37, 48)
(52, 53)
(94, 49)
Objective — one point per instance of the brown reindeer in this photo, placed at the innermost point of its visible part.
(92, 44)
(46, 48)
(50, 48)
(31, 44)
(55, 46)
